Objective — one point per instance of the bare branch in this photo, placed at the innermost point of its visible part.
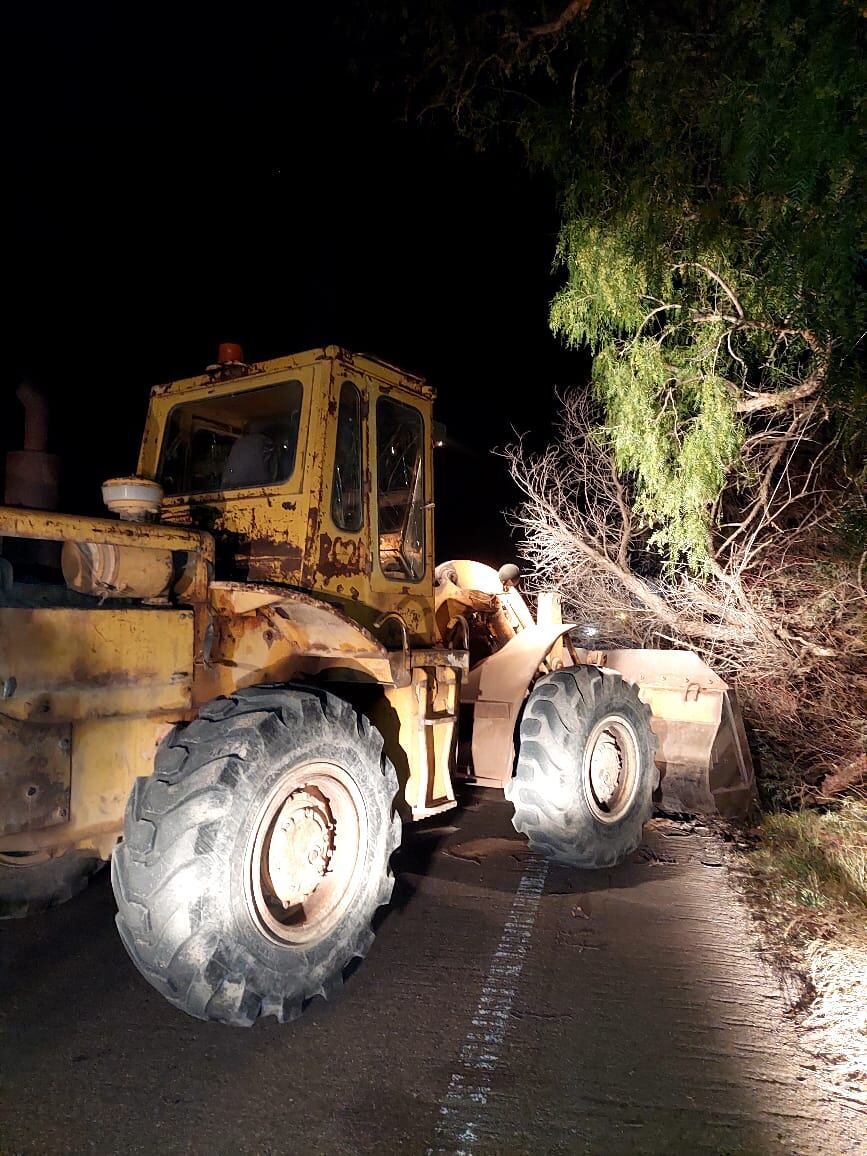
(570, 13)
(780, 399)
(714, 277)
(772, 614)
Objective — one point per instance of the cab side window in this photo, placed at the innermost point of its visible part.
(346, 505)
(400, 479)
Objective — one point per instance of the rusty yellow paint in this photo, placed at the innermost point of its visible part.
(263, 635)
(263, 527)
(69, 665)
(346, 565)
(418, 723)
(439, 727)
(230, 599)
(37, 793)
(284, 533)
(116, 679)
(16, 522)
(413, 768)
(107, 757)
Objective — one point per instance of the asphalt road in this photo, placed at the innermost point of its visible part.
(505, 1007)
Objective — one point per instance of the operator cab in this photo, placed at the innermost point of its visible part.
(312, 471)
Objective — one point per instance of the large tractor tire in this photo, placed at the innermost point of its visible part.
(585, 775)
(35, 881)
(256, 855)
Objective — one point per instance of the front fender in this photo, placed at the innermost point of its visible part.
(497, 687)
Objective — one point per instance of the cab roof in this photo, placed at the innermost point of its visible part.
(362, 363)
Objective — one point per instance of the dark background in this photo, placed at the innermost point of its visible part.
(181, 181)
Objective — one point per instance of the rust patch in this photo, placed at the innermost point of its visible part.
(341, 557)
(35, 765)
(312, 525)
(289, 505)
(308, 572)
(83, 674)
(266, 558)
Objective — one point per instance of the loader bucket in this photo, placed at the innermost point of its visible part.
(703, 756)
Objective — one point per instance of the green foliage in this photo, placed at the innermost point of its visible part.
(727, 136)
(606, 285)
(671, 423)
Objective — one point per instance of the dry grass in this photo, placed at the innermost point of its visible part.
(806, 879)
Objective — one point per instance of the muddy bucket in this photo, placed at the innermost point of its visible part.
(703, 756)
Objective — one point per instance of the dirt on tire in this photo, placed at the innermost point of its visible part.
(551, 792)
(184, 910)
(27, 886)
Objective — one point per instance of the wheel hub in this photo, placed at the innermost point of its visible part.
(301, 847)
(610, 768)
(304, 859)
(606, 765)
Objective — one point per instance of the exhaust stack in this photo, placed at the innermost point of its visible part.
(32, 474)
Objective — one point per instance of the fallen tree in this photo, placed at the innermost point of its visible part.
(706, 489)
(707, 161)
(781, 607)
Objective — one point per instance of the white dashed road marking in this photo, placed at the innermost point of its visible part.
(464, 1107)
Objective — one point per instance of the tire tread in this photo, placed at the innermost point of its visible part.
(545, 789)
(172, 820)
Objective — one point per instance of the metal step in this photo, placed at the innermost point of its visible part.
(436, 720)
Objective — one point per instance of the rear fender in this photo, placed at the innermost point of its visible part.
(264, 634)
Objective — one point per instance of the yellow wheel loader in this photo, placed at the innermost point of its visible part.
(244, 681)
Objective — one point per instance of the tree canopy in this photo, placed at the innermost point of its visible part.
(708, 159)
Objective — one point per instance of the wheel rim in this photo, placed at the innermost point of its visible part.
(610, 768)
(24, 859)
(305, 856)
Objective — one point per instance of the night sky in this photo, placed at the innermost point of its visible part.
(180, 183)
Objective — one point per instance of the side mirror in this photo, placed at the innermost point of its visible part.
(439, 434)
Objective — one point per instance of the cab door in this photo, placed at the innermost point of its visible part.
(401, 506)
(338, 554)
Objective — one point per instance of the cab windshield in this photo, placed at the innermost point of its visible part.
(232, 441)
